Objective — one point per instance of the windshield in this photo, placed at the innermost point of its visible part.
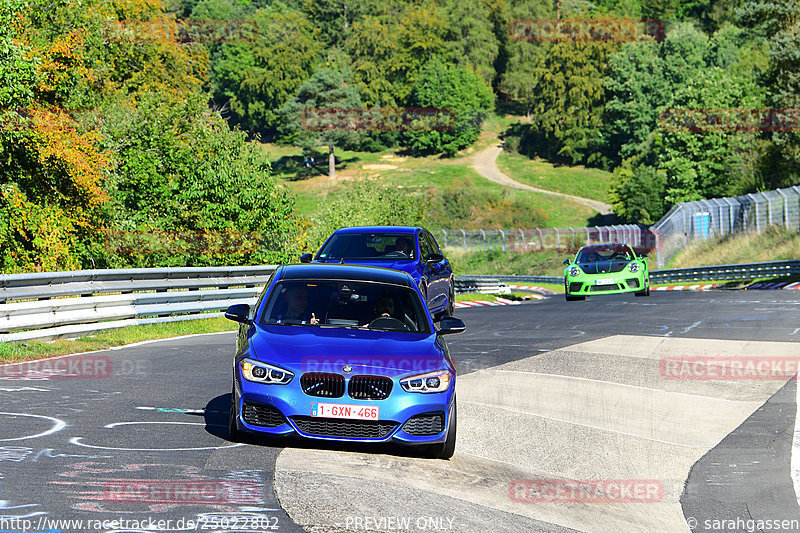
(609, 252)
(372, 246)
(345, 304)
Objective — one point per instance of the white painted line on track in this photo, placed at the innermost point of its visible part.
(573, 423)
(795, 459)
(592, 380)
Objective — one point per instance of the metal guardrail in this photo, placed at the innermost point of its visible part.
(64, 304)
(774, 269)
(745, 271)
(480, 284)
(57, 304)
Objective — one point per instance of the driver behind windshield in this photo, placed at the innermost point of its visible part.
(403, 245)
(385, 308)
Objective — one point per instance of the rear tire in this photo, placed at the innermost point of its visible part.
(446, 449)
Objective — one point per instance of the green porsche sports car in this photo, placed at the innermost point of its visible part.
(611, 268)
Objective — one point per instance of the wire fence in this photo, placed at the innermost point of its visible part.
(694, 221)
(641, 238)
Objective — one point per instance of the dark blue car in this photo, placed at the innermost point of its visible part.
(409, 249)
(345, 353)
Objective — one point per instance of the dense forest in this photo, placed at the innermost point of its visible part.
(123, 119)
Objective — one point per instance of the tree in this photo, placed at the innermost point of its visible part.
(257, 78)
(306, 118)
(452, 89)
(779, 21)
(181, 172)
(471, 39)
(389, 49)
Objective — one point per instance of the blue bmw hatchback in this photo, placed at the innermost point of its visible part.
(344, 353)
(410, 249)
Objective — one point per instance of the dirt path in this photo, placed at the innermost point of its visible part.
(485, 163)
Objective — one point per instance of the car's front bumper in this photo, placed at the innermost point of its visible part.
(285, 410)
(586, 285)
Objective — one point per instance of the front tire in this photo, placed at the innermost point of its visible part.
(451, 300)
(234, 433)
(645, 292)
(574, 298)
(446, 449)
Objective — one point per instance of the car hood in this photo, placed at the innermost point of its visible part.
(402, 265)
(603, 267)
(311, 349)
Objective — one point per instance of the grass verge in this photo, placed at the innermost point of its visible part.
(580, 181)
(499, 263)
(11, 352)
(774, 244)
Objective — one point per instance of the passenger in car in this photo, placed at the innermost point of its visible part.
(296, 303)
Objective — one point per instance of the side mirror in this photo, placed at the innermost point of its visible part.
(451, 324)
(434, 258)
(306, 258)
(566, 261)
(239, 313)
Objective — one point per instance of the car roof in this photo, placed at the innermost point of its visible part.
(379, 229)
(337, 271)
(604, 245)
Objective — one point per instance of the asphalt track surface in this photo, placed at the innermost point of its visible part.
(547, 390)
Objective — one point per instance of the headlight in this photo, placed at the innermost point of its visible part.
(430, 382)
(263, 373)
(633, 267)
(574, 271)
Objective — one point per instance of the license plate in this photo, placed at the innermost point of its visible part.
(604, 282)
(336, 410)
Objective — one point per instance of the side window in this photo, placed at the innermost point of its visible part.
(434, 244)
(424, 246)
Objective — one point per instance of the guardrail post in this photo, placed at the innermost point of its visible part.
(522, 234)
(588, 238)
(483, 233)
(504, 238)
(758, 218)
(444, 231)
(541, 239)
(785, 208)
(464, 235)
(769, 209)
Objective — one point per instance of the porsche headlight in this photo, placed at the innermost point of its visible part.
(259, 372)
(430, 382)
(633, 267)
(574, 271)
